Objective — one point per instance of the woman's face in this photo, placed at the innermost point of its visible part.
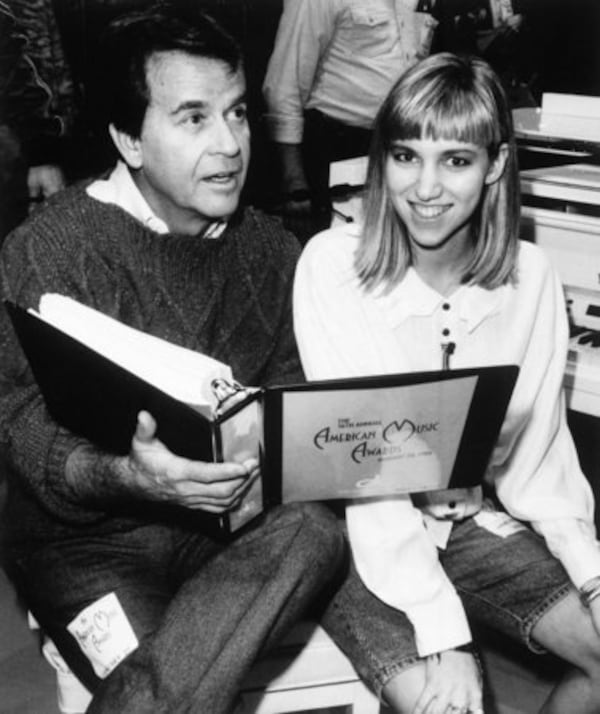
(435, 187)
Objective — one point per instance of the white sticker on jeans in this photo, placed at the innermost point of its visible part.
(498, 522)
(104, 634)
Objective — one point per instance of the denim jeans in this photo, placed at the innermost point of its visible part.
(201, 610)
(376, 638)
(504, 573)
(507, 580)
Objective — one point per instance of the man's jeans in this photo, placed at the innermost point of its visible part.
(202, 611)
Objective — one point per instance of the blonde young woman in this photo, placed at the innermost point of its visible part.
(436, 271)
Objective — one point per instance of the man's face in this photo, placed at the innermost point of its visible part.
(194, 145)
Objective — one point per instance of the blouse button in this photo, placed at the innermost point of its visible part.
(445, 332)
(446, 306)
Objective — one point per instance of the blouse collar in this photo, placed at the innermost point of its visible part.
(413, 297)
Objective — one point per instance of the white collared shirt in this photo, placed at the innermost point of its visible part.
(340, 57)
(121, 190)
(342, 331)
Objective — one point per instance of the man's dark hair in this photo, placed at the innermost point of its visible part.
(131, 39)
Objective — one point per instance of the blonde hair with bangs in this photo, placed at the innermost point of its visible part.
(443, 97)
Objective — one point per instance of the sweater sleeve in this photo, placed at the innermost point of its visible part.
(283, 366)
(276, 257)
(394, 554)
(535, 467)
(35, 447)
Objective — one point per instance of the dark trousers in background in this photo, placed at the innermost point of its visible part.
(325, 140)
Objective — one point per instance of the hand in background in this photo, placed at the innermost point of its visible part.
(295, 200)
(43, 181)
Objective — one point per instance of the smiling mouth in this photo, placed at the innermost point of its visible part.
(428, 212)
(222, 177)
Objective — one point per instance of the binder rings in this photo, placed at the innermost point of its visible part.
(332, 439)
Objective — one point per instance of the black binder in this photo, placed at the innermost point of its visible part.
(331, 439)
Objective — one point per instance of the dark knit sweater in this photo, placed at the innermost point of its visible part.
(228, 297)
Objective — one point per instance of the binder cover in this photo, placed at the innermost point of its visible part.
(95, 398)
(387, 434)
(332, 439)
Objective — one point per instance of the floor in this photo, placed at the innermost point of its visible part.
(27, 683)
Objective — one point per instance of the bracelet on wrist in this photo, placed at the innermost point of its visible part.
(589, 591)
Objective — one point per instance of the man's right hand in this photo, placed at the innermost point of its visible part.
(153, 473)
(157, 474)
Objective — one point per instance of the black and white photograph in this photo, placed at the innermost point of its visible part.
(299, 357)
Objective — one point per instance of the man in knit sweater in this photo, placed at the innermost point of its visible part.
(152, 615)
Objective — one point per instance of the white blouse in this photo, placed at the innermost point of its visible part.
(343, 331)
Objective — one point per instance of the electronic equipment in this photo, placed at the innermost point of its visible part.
(561, 213)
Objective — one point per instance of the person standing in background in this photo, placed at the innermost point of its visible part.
(36, 107)
(332, 64)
